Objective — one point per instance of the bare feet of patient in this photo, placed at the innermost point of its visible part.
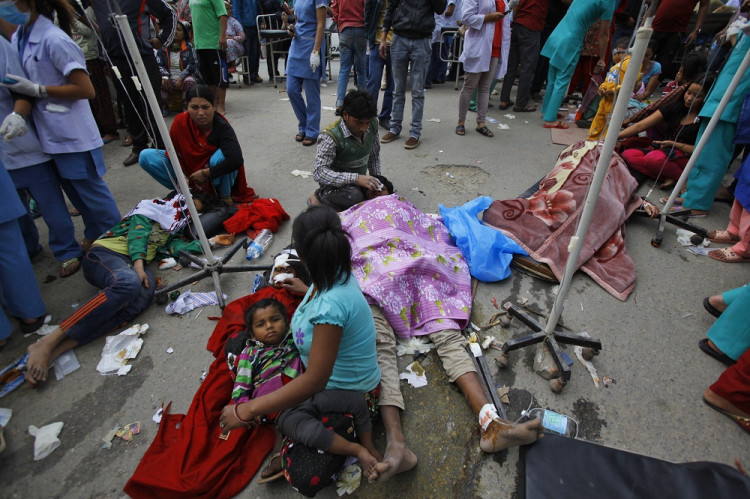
(37, 365)
(398, 459)
(501, 435)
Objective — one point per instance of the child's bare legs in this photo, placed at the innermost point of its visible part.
(44, 352)
(342, 447)
(365, 438)
(274, 465)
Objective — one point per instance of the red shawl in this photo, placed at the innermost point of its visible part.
(187, 458)
(194, 152)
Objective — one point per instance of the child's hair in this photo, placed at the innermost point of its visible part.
(260, 305)
(323, 245)
(202, 91)
(359, 104)
(61, 8)
(652, 46)
(705, 80)
(622, 43)
(386, 183)
(693, 64)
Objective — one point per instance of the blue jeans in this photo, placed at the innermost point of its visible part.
(403, 51)
(155, 163)
(20, 292)
(352, 50)
(438, 67)
(121, 299)
(377, 64)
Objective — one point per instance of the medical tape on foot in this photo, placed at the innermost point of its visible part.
(486, 415)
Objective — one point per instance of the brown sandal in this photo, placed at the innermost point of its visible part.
(727, 255)
(722, 236)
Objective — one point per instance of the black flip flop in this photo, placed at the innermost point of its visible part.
(710, 308)
(485, 131)
(309, 141)
(300, 137)
(461, 130)
(505, 106)
(528, 108)
(724, 359)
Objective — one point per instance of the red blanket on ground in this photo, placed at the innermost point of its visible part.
(261, 214)
(187, 457)
(544, 223)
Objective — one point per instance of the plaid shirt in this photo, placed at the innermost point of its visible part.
(647, 111)
(326, 153)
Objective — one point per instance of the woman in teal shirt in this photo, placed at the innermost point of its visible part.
(335, 334)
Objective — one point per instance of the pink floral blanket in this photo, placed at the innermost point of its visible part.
(405, 262)
(544, 223)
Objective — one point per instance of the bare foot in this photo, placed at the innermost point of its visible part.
(368, 463)
(717, 301)
(398, 459)
(500, 434)
(722, 403)
(37, 365)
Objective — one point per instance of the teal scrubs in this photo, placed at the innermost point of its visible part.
(731, 331)
(711, 165)
(563, 48)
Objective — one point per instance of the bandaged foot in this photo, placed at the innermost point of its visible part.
(498, 434)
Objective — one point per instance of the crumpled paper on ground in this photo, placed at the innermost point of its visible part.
(414, 375)
(119, 349)
(46, 439)
(589, 366)
(415, 344)
(66, 364)
(301, 173)
(5, 415)
(126, 432)
(188, 301)
(349, 480)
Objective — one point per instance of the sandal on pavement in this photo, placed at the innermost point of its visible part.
(267, 474)
(528, 108)
(70, 267)
(300, 137)
(485, 131)
(27, 327)
(742, 421)
(712, 352)
(676, 200)
(505, 105)
(309, 141)
(727, 255)
(722, 236)
(460, 130)
(559, 124)
(710, 308)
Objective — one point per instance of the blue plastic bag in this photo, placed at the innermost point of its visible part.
(487, 251)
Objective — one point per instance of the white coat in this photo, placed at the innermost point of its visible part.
(478, 39)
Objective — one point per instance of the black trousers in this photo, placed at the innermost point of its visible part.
(524, 50)
(138, 116)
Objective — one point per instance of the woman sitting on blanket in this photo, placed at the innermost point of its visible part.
(666, 159)
(116, 264)
(335, 334)
(207, 148)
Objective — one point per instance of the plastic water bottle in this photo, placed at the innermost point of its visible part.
(554, 422)
(261, 242)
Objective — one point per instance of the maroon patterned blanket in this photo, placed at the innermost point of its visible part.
(544, 223)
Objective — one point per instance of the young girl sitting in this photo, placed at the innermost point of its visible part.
(269, 361)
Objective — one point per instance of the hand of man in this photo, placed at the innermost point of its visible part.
(370, 183)
(314, 60)
(200, 175)
(599, 66)
(13, 126)
(223, 41)
(692, 36)
(156, 43)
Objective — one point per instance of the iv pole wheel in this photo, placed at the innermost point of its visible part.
(696, 240)
(502, 360)
(656, 242)
(557, 385)
(588, 353)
